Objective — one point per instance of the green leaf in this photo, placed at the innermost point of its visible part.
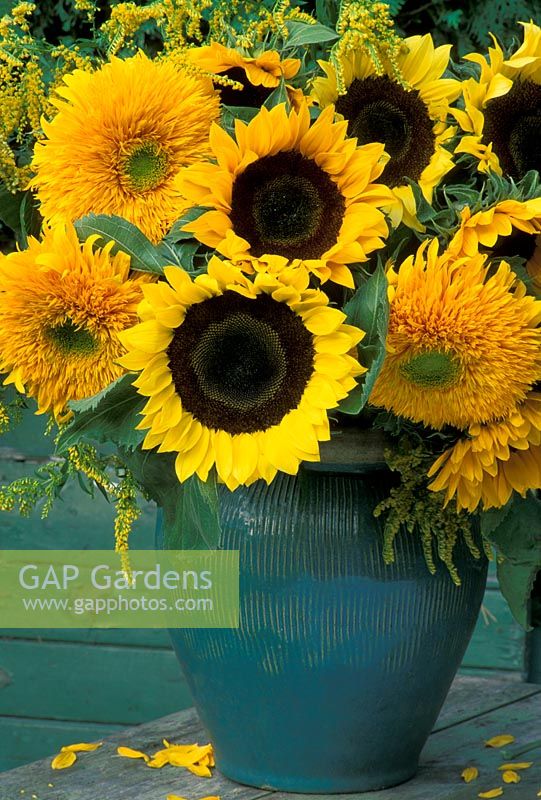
(368, 309)
(327, 12)
(110, 417)
(10, 209)
(144, 256)
(515, 532)
(301, 33)
(279, 95)
(191, 516)
(30, 219)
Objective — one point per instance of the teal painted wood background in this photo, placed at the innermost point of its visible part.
(58, 687)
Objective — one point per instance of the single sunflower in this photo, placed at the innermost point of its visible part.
(495, 460)
(410, 119)
(502, 108)
(63, 306)
(239, 374)
(118, 141)
(258, 76)
(464, 342)
(288, 188)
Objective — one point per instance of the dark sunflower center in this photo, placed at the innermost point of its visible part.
(518, 243)
(512, 124)
(286, 205)
(380, 110)
(249, 95)
(145, 167)
(71, 339)
(241, 365)
(239, 362)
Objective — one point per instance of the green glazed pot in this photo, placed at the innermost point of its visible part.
(341, 664)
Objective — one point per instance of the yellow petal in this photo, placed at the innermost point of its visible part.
(175, 797)
(470, 774)
(64, 760)
(491, 793)
(516, 765)
(127, 752)
(82, 748)
(510, 776)
(500, 741)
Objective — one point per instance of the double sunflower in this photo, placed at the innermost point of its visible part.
(502, 108)
(239, 373)
(409, 118)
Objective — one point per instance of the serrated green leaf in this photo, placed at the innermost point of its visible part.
(111, 419)
(144, 256)
(191, 516)
(368, 310)
(302, 33)
(516, 583)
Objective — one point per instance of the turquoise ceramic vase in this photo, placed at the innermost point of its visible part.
(341, 664)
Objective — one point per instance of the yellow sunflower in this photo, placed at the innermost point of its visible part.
(501, 114)
(410, 120)
(288, 188)
(463, 345)
(239, 373)
(509, 228)
(119, 140)
(489, 228)
(62, 307)
(495, 460)
(258, 76)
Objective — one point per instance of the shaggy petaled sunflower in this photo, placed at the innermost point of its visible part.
(118, 141)
(239, 374)
(411, 121)
(509, 228)
(289, 188)
(502, 108)
(62, 307)
(464, 344)
(495, 460)
(259, 75)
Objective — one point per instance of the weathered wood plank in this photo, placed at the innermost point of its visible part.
(23, 740)
(95, 683)
(123, 637)
(102, 774)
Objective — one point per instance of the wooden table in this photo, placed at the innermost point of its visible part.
(476, 710)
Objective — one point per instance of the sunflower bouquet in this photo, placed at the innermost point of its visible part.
(241, 227)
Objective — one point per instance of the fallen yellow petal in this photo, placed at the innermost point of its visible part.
(500, 741)
(83, 747)
(491, 793)
(127, 752)
(64, 760)
(470, 774)
(510, 776)
(200, 771)
(516, 765)
(174, 796)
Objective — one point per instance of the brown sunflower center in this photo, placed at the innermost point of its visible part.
(145, 167)
(287, 205)
(249, 95)
(432, 369)
(71, 339)
(380, 110)
(512, 124)
(241, 365)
